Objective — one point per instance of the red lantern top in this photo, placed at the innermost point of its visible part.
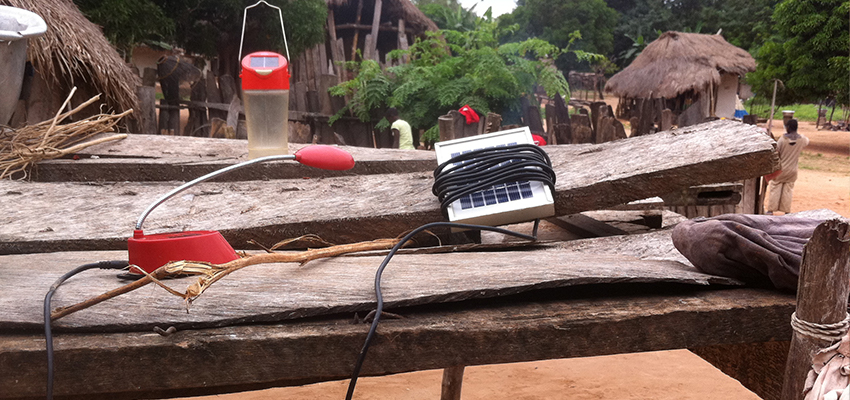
(264, 70)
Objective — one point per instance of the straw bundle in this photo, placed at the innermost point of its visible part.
(20, 149)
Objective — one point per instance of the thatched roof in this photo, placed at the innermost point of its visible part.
(677, 62)
(393, 10)
(74, 50)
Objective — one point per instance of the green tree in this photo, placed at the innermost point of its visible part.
(127, 23)
(210, 28)
(555, 23)
(448, 69)
(809, 53)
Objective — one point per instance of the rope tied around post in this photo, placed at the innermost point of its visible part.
(829, 332)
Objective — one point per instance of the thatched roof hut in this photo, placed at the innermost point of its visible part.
(677, 62)
(74, 52)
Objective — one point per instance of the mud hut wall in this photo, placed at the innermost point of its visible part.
(726, 96)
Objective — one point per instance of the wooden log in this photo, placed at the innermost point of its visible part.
(376, 22)
(402, 41)
(326, 82)
(599, 176)
(300, 96)
(149, 77)
(492, 122)
(597, 111)
(355, 42)
(446, 126)
(822, 293)
(228, 88)
(452, 383)
(196, 126)
(96, 365)
(667, 118)
(581, 134)
(214, 96)
(146, 114)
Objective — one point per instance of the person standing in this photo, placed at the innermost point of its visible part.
(789, 147)
(402, 135)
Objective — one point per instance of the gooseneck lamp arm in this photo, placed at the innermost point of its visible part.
(317, 156)
(204, 178)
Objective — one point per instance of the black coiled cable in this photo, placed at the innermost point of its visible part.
(482, 169)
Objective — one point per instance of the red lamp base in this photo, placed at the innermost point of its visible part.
(150, 252)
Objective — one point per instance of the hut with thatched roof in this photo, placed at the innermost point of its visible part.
(686, 71)
(72, 53)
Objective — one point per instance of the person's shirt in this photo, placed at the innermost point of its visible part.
(405, 136)
(789, 146)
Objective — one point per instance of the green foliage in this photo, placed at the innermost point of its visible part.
(556, 23)
(455, 18)
(128, 22)
(210, 28)
(449, 69)
(808, 53)
(744, 23)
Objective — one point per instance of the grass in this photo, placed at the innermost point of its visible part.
(803, 112)
(819, 162)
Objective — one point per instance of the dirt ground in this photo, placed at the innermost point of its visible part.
(824, 182)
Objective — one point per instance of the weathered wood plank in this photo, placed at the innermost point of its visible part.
(584, 323)
(167, 158)
(591, 177)
(276, 292)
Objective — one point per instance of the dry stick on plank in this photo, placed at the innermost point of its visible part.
(211, 273)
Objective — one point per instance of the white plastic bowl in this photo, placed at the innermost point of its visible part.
(16, 26)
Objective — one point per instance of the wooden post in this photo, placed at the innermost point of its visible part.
(452, 383)
(376, 22)
(356, 31)
(146, 114)
(446, 126)
(402, 40)
(822, 293)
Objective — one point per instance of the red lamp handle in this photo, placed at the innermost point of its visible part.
(325, 157)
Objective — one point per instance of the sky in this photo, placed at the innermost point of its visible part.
(499, 6)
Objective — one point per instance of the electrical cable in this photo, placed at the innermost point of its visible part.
(482, 169)
(48, 334)
(380, 298)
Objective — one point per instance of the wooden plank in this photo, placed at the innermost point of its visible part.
(758, 366)
(577, 323)
(164, 158)
(277, 292)
(377, 206)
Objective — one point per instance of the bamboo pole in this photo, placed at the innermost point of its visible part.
(822, 293)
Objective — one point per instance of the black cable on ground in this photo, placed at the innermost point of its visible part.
(482, 169)
(48, 334)
(380, 298)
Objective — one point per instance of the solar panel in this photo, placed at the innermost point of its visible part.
(504, 203)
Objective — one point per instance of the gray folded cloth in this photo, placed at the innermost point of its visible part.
(757, 249)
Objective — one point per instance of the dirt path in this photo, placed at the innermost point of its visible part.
(824, 182)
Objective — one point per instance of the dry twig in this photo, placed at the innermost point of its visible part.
(21, 148)
(211, 273)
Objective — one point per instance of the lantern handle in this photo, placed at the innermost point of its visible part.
(282, 28)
